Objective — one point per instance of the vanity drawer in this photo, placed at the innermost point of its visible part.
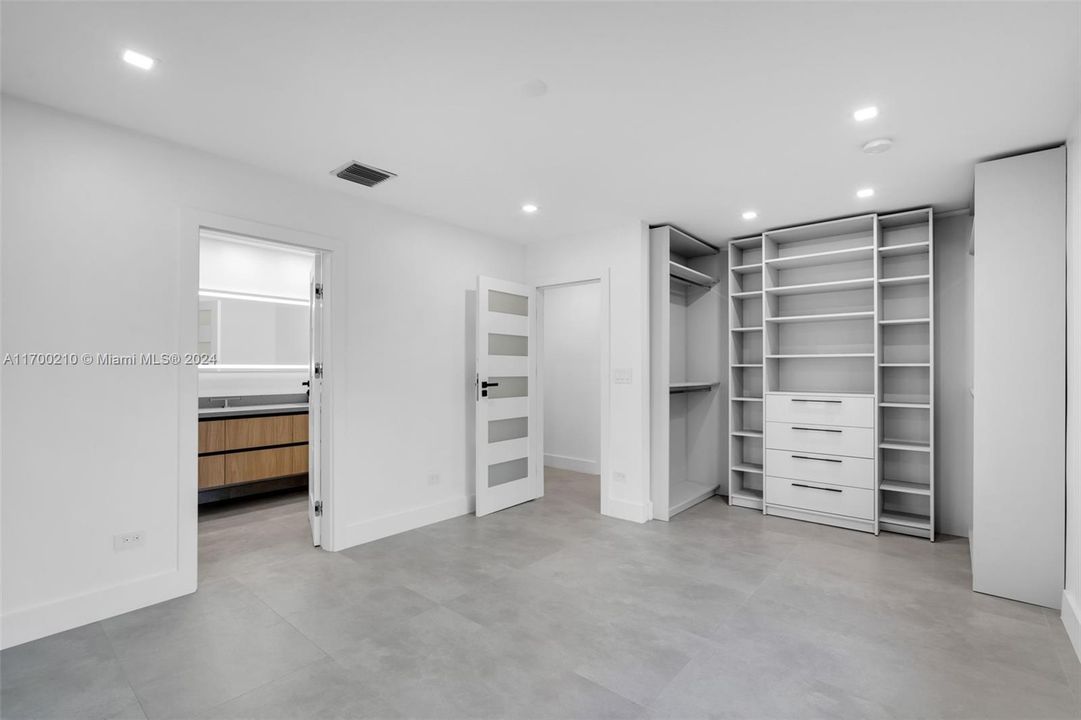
(849, 471)
(821, 409)
(300, 427)
(258, 432)
(821, 497)
(856, 442)
(265, 464)
(211, 471)
(211, 436)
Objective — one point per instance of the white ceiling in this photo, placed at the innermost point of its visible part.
(688, 113)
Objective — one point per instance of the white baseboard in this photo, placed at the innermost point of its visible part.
(21, 626)
(387, 525)
(565, 462)
(1071, 618)
(625, 510)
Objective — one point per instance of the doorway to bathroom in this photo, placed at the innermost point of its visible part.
(261, 389)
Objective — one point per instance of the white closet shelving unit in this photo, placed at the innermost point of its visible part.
(686, 357)
(745, 398)
(831, 404)
(906, 352)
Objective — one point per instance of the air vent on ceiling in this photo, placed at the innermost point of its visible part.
(363, 174)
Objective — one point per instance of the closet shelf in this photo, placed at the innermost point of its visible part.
(822, 258)
(907, 280)
(906, 321)
(909, 405)
(690, 275)
(747, 329)
(751, 242)
(746, 399)
(748, 433)
(684, 387)
(746, 269)
(909, 445)
(905, 249)
(746, 365)
(684, 244)
(905, 365)
(831, 286)
(748, 467)
(900, 486)
(819, 356)
(746, 295)
(906, 519)
(825, 317)
(748, 494)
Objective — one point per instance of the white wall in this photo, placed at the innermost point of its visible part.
(953, 369)
(91, 245)
(1071, 598)
(571, 365)
(620, 252)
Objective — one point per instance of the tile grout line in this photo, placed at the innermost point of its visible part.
(123, 669)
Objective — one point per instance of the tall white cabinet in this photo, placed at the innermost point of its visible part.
(831, 372)
(1019, 375)
(687, 358)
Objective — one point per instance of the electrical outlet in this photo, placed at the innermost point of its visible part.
(619, 477)
(433, 479)
(130, 540)
(623, 376)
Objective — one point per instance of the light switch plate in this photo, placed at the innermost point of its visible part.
(623, 376)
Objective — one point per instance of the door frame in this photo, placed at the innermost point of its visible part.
(604, 331)
(334, 257)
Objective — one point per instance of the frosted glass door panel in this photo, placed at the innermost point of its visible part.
(508, 387)
(513, 345)
(508, 303)
(510, 429)
(509, 471)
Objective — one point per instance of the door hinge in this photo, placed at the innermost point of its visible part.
(318, 508)
(319, 370)
(319, 291)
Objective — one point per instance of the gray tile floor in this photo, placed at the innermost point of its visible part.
(548, 610)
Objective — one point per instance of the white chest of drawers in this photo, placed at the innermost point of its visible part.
(819, 463)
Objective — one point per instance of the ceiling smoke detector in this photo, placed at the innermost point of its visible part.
(365, 175)
(877, 146)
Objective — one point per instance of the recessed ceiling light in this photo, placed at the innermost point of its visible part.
(866, 113)
(529, 208)
(749, 214)
(877, 146)
(143, 62)
(865, 192)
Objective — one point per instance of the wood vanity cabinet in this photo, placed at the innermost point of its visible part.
(234, 451)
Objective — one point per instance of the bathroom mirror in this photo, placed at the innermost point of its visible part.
(254, 333)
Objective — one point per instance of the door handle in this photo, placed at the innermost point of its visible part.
(808, 457)
(484, 385)
(814, 487)
(831, 402)
(794, 427)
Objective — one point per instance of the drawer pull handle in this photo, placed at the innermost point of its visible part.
(814, 487)
(795, 427)
(830, 402)
(808, 457)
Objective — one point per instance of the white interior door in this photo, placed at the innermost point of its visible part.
(315, 400)
(508, 467)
